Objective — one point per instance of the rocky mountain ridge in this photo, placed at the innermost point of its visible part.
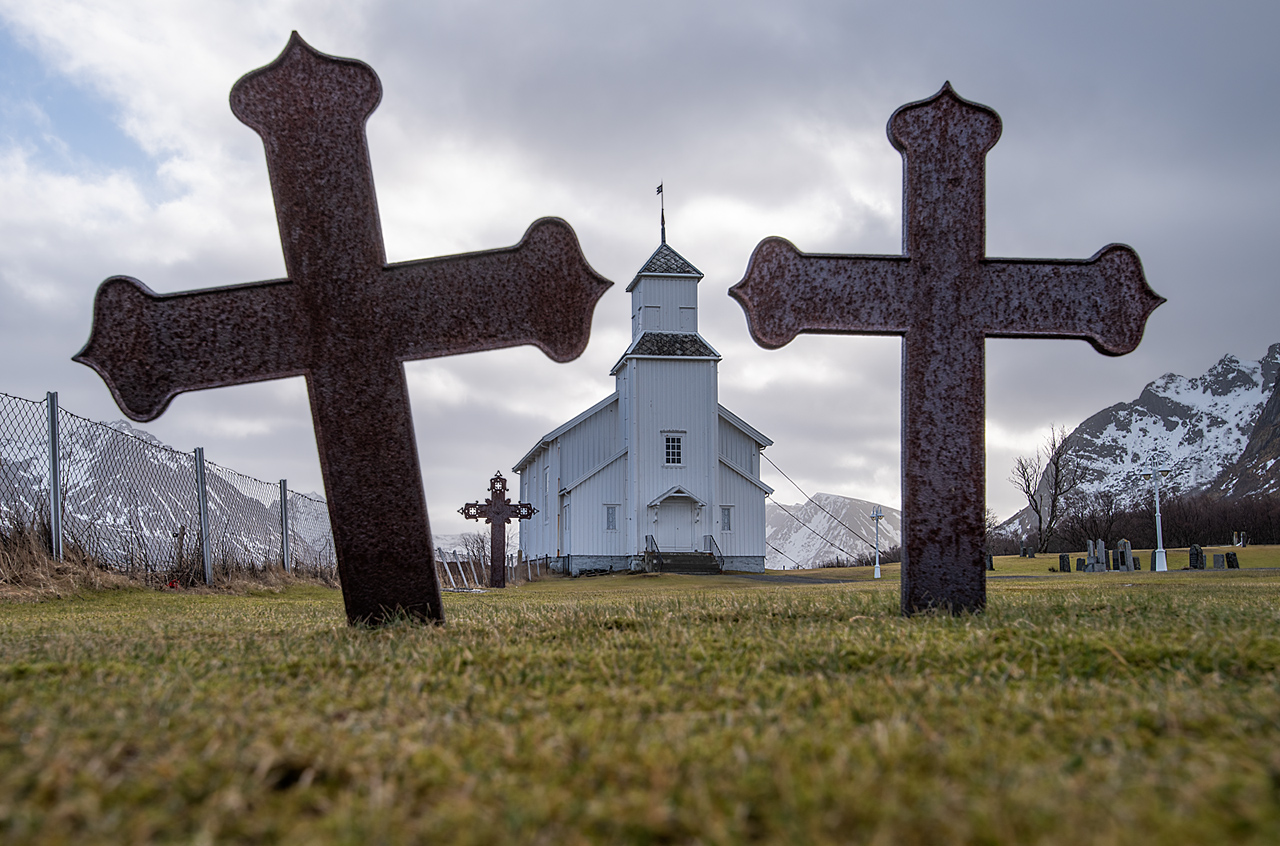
(1218, 432)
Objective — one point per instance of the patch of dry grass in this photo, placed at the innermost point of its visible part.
(655, 710)
(29, 574)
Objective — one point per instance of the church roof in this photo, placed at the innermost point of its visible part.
(688, 345)
(667, 345)
(562, 428)
(666, 262)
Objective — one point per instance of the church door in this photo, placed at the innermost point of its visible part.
(675, 525)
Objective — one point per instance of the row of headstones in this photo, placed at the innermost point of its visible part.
(1123, 559)
(1027, 552)
(1221, 561)
(1099, 559)
(1240, 539)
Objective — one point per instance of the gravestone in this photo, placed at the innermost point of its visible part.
(1091, 556)
(944, 296)
(1197, 557)
(1064, 563)
(497, 511)
(991, 563)
(1235, 538)
(1126, 557)
(1244, 539)
(1233, 561)
(1104, 558)
(1081, 563)
(1219, 561)
(346, 320)
(1022, 553)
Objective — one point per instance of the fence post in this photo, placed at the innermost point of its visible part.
(55, 480)
(202, 500)
(284, 524)
(444, 562)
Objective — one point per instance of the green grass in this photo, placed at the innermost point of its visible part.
(1090, 708)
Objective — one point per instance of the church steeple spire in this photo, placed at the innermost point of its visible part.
(662, 204)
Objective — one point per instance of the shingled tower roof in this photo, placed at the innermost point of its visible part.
(666, 262)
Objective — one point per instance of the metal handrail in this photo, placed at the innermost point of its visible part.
(651, 548)
(714, 549)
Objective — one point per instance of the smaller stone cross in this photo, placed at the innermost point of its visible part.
(497, 511)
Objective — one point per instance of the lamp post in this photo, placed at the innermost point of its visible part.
(1158, 563)
(877, 514)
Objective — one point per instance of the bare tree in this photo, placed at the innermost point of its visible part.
(1046, 478)
(476, 545)
(1093, 516)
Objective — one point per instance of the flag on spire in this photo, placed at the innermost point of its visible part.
(664, 215)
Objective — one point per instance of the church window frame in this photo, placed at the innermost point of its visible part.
(673, 448)
(611, 518)
(726, 518)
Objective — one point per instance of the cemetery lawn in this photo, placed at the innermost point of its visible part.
(1080, 708)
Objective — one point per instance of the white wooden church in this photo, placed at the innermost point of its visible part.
(657, 463)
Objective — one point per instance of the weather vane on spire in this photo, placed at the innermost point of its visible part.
(662, 205)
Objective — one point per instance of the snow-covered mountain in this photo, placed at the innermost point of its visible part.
(789, 542)
(1211, 431)
(1256, 471)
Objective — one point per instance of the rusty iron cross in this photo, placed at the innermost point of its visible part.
(944, 297)
(497, 511)
(346, 320)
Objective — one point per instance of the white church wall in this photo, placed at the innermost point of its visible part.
(590, 502)
(746, 535)
(678, 407)
(589, 444)
(738, 449)
(540, 486)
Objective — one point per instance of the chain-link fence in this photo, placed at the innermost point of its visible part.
(133, 504)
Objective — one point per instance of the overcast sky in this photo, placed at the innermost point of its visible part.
(1147, 123)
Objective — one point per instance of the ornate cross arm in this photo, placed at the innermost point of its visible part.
(150, 347)
(541, 291)
(786, 292)
(475, 511)
(1104, 299)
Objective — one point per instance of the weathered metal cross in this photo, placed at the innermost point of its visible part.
(497, 511)
(346, 320)
(944, 296)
